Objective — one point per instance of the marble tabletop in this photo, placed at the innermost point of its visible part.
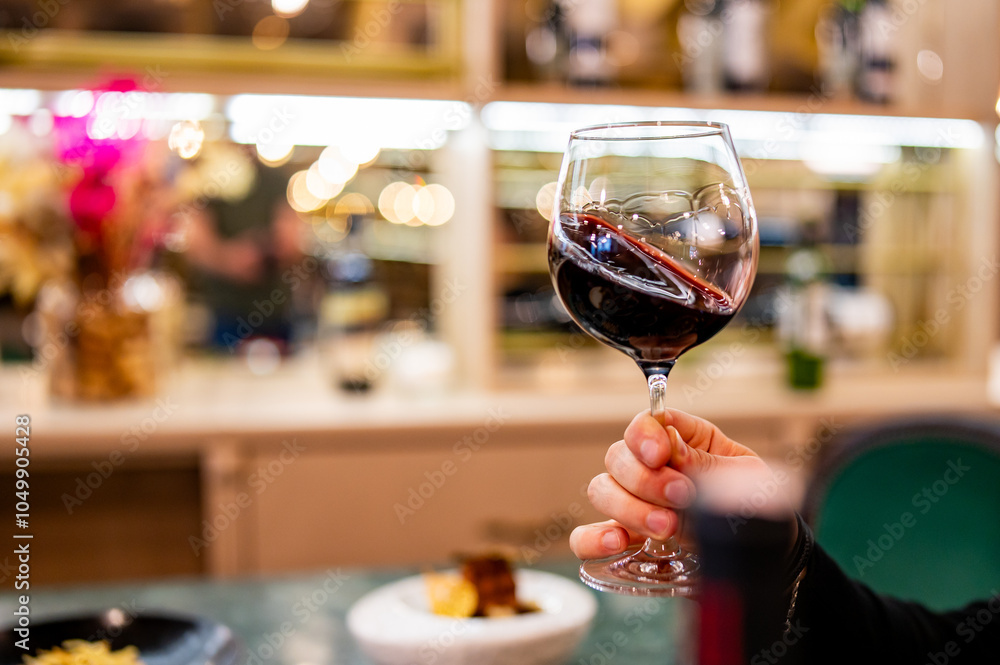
(300, 619)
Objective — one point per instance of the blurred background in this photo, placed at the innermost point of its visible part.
(273, 282)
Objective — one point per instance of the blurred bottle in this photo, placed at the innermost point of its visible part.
(745, 60)
(351, 313)
(804, 323)
(589, 23)
(876, 72)
(547, 43)
(700, 35)
(839, 46)
(743, 531)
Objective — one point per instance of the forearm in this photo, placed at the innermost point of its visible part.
(841, 620)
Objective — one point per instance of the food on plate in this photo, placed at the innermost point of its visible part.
(484, 588)
(82, 652)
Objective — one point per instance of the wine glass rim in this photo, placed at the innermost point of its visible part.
(707, 127)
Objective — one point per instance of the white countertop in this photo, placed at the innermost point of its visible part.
(208, 400)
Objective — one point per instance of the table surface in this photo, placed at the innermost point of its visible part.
(313, 619)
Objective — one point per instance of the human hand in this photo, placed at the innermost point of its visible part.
(649, 478)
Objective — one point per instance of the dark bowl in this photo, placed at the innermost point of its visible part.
(160, 639)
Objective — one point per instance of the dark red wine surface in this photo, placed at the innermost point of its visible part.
(631, 295)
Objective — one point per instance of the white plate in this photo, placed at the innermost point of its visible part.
(394, 626)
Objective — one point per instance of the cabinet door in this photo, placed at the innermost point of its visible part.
(414, 498)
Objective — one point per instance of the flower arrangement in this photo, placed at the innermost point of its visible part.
(85, 205)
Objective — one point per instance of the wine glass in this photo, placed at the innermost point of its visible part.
(652, 249)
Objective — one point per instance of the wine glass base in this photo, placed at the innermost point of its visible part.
(636, 573)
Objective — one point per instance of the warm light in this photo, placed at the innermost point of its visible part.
(543, 127)
(423, 205)
(353, 204)
(186, 139)
(387, 201)
(359, 149)
(299, 196)
(319, 186)
(403, 124)
(930, 65)
(403, 205)
(335, 167)
(288, 8)
(263, 357)
(545, 199)
(274, 154)
(270, 33)
(444, 204)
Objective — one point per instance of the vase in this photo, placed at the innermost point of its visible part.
(111, 343)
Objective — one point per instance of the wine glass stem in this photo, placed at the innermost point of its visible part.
(669, 548)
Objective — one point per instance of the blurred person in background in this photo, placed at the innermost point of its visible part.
(242, 246)
(650, 475)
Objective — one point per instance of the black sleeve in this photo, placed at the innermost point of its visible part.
(840, 620)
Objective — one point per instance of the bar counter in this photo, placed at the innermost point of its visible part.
(286, 458)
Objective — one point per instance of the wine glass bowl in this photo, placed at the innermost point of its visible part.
(652, 250)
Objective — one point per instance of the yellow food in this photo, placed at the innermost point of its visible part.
(451, 595)
(82, 652)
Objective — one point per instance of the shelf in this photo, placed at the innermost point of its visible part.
(792, 103)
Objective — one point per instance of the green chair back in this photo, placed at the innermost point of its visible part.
(913, 509)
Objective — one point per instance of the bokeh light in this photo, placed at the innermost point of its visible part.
(444, 204)
(272, 153)
(321, 187)
(299, 196)
(270, 33)
(545, 199)
(186, 139)
(930, 65)
(353, 204)
(335, 166)
(415, 205)
(288, 8)
(387, 201)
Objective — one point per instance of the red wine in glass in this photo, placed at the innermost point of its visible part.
(631, 295)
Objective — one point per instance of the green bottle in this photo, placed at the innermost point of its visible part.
(805, 322)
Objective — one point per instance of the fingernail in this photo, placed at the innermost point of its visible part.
(657, 521)
(647, 451)
(678, 443)
(677, 493)
(610, 540)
